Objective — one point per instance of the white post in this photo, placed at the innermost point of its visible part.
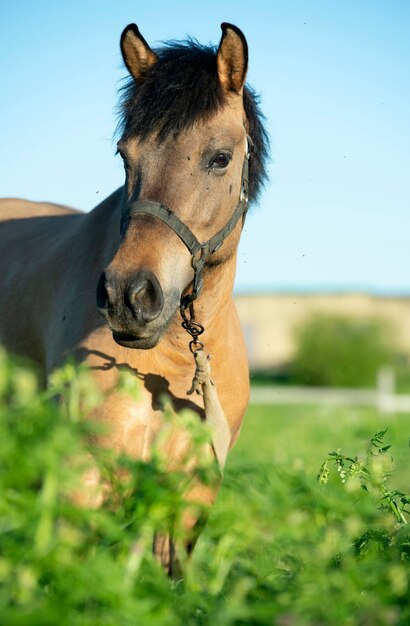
(386, 390)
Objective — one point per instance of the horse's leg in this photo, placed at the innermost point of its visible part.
(131, 430)
(172, 548)
(167, 548)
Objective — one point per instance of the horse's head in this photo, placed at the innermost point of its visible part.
(187, 118)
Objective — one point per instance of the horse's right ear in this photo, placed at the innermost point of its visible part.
(232, 58)
(137, 55)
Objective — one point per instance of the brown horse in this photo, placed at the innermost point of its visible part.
(167, 240)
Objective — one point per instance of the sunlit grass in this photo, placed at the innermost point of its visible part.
(299, 436)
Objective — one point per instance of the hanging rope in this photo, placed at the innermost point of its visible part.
(203, 385)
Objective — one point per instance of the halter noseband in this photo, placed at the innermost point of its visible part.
(200, 252)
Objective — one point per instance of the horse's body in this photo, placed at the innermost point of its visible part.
(52, 258)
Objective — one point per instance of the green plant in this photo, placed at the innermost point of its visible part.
(373, 472)
(62, 563)
(279, 547)
(338, 351)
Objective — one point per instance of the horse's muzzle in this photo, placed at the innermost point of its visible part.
(131, 306)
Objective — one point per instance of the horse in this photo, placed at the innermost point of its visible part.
(194, 149)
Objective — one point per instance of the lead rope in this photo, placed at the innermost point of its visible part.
(203, 385)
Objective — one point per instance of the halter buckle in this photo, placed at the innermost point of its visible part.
(244, 195)
(249, 146)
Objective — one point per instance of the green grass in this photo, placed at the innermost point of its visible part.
(280, 547)
(299, 437)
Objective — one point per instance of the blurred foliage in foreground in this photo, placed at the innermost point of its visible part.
(280, 547)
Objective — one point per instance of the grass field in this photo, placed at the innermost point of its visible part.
(280, 547)
(301, 436)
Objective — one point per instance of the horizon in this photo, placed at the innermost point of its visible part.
(321, 290)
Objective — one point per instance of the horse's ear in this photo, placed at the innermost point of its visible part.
(232, 58)
(137, 55)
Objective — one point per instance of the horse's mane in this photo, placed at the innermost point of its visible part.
(181, 88)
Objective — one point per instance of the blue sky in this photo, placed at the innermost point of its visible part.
(335, 85)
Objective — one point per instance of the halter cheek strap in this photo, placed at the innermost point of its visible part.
(200, 252)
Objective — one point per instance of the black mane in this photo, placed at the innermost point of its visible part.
(181, 88)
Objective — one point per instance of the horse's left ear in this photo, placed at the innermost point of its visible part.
(137, 55)
(232, 58)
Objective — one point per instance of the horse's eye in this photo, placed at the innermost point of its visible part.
(124, 160)
(221, 160)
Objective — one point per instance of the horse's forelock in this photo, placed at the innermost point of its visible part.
(181, 88)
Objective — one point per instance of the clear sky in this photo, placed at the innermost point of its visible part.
(334, 79)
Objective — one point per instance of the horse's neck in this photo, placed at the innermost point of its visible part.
(216, 297)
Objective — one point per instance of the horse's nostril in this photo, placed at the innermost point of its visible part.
(102, 296)
(144, 297)
(137, 292)
(106, 292)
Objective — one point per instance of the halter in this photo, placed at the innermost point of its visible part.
(200, 252)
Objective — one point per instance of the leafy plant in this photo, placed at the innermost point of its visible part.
(372, 473)
(279, 548)
(61, 560)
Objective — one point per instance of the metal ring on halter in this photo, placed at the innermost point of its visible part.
(195, 346)
(194, 328)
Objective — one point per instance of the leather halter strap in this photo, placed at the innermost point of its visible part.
(200, 252)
